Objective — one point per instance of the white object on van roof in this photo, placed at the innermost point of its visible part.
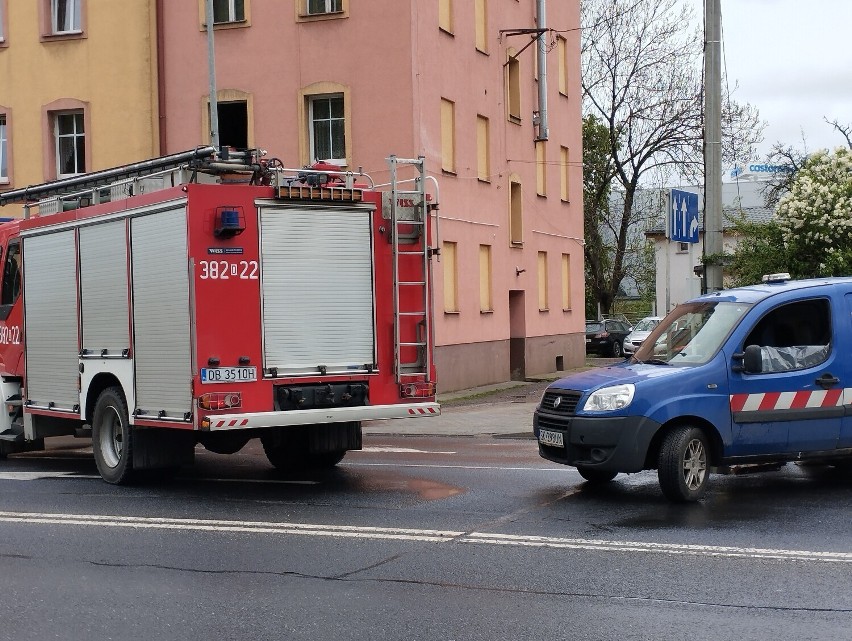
(776, 278)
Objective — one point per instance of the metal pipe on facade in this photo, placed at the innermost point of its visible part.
(541, 24)
(211, 66)
(161, 76)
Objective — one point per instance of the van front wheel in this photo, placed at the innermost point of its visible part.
(683, 468)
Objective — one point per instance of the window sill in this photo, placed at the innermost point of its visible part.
(483, 52)
(449, 33)
(486, 311)
(448, 172)
(230, 24)
(63, 35)
(516, 244)
(542, 196)
(451, 313)
(317, 17)
(543, 310)
(487, 181)
(514, 119)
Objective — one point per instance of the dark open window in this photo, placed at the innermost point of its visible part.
(233, 124)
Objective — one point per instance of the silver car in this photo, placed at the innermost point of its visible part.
(640, 333)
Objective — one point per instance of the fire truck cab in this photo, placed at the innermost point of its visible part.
(212, 298)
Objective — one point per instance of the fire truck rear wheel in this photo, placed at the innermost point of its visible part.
(292, 455)
(112, 440)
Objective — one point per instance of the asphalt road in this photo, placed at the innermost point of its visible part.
(418, 537)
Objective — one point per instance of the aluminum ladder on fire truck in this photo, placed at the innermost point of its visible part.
(412, 295)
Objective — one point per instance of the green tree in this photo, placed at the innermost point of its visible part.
(815, 217)
(598, 174)
(760, 250)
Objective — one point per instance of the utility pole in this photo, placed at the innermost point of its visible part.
(713, 144)
(211, 66)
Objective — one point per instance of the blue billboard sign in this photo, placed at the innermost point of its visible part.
(683, 216)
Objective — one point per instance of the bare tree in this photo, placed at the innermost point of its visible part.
(792, 158)
(641, 77)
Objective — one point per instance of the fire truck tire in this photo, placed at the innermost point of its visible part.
(326, 459)
(112, 437)
(224, 443)
(292, 455)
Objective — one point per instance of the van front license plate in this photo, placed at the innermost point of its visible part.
(228, 374)
(546, 437)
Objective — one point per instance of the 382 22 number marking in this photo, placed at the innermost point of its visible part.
(226, 270)
(10, 335)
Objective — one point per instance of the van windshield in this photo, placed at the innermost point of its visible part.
(691, 334)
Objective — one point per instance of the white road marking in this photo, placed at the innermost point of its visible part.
(464, 467)
(37, 476)
(420, 535)
(399, 450)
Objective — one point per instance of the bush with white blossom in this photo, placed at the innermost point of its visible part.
(815, 217)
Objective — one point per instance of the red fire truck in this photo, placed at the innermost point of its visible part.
(213, 297)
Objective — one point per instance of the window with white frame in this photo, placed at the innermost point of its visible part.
(4, 151)
(70, 138)
(327, 123)
(316, 7)
(65, 16)
(2, 23)
(228, 11)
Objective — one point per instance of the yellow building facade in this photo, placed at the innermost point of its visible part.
(78, 88)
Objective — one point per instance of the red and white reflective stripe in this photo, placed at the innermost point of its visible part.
(788, 400)
(231, 423)
(415, 411)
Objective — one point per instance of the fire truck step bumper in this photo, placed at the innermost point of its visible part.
(321, 415)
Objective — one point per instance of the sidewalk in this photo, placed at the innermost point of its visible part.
(502, 418)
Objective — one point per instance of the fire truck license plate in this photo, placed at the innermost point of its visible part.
(228, 374)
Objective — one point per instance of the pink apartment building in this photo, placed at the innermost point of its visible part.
(353, 81)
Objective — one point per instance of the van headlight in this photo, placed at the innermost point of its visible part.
(608, 399)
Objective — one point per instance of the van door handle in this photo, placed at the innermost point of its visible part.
(827, 380)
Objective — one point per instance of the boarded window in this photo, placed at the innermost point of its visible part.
(566, 282)
(451, 278)
(483, 149)
(541, 168)
(486, 303)
(516, 229)
(448, 135)
(542, 281)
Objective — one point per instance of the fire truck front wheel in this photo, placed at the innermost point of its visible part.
(112, 438)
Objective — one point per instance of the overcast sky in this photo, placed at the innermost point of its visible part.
(793, 61)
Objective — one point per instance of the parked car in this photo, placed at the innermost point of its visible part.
(640, 333)
(606, 337)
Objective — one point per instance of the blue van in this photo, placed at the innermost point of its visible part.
(759, 374)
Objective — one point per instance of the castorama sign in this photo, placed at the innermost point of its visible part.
(757, 171)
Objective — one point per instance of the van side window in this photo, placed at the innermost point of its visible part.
(11, 275)
(793, 336)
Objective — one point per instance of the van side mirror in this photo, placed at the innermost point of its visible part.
(753, 363)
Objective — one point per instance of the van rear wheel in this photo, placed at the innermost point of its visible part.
(682, 467)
